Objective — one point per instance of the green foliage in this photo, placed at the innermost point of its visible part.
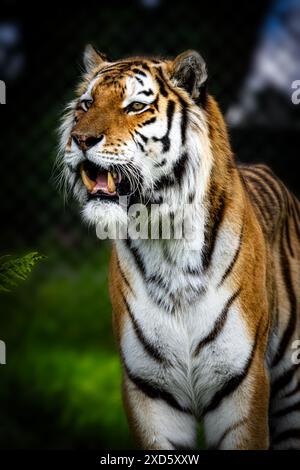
(15, 270)
(61, 386)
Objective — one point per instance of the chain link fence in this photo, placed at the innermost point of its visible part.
(51, 45)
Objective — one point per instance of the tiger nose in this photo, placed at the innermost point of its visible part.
(86, 141)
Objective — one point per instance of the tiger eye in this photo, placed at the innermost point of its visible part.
(137, 106)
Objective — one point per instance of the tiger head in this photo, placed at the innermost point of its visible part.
(138, 129)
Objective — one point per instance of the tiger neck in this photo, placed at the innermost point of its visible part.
(206, 207)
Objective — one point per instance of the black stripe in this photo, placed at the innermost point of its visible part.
(172, 90)
(139, 72)
(155, 104)
(165, 140)
(162, 295)
(160, 164)
(184, 122)
(290, 328)
(296, 208)
(227, 431)
(288, 237)
(145, 66)
(292, 392)
(283, 380)
(162, 88)
(123, 275)
(264, 192)
(203, 94)
(163, 301)
(126, 64)
(271, 182)
(192, 197)
(140, 145)
(153, 392)
(263, 201)
(285, 435)
(167, 255)
(139, 63)
(160, 281)
(163, 283)
(136, 141)
(175, 175)
(211, 232)
(257, 203)
(219, 324)
(139, 80)
(276, 186)
(144, 138)
(164, 182)
(233, 383)
(178, 446)
(296, 219)
(73, 170)
(149, 348)
(117, 68)
(288, 409)
(137, 257)
(149, 121)
(192, 271)
(180, 167)
(146, 92)
(234, 259)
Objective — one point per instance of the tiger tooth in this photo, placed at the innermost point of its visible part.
(110, 183)
(89, 184)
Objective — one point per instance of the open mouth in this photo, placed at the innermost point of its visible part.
(104, 184)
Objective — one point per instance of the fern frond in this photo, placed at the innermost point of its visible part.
(15, 270)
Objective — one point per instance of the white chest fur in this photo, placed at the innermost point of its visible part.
(168, 355)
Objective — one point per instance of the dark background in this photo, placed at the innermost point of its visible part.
(60, 386)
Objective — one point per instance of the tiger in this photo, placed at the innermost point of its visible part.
(206, 326)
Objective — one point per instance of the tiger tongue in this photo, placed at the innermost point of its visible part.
(104, 183)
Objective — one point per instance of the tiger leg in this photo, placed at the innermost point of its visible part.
(238, 419)
(285, 409)
(156, 424)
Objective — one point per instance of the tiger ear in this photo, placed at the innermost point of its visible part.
(189, 72)
(92, 58)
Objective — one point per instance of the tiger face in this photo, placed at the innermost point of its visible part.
(131, 132)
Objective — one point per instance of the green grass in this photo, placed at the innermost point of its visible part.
(60, 387)
(61, 384)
